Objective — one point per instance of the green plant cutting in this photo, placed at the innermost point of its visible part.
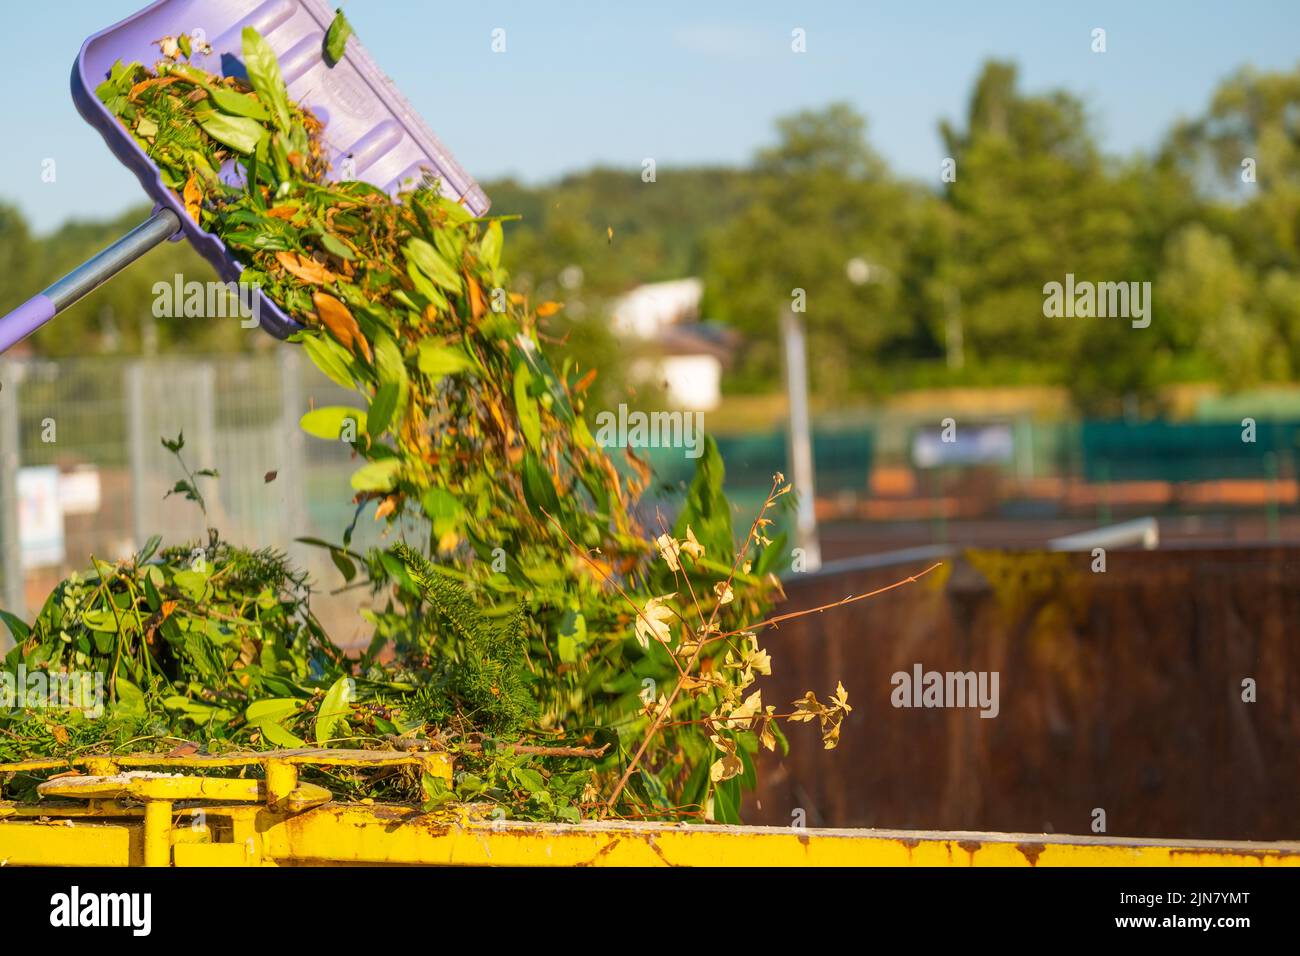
(576, 662)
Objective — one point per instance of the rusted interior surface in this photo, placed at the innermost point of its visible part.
(1118, 691)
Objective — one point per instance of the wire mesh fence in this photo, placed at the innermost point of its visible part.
(83, 471)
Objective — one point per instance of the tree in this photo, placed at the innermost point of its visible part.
(824, 224)
(1034, 201)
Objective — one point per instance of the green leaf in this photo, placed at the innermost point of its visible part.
(539, 490)
(328, 422)
(347, 567)
(273, 709)
(18, 629)
(100, 619)
(279, 737)
(436, 791)
(391, 367)
(238, 132)
(331, 358)
(377, 475)
(381, 410)
(432, 264)
(530, 780)
(572, 634)
(130, 700)
(336, 247)
(237, 104)
(490, 247)
(149, 548)
(193, 584)
(530, 421)
(438, 360)
(654, 789)
(333, 709)
(336, 38)
(264, 76)
(443, 509)
(726, 801)
(456, 214)
(706, 509)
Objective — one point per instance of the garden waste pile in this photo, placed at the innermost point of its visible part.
(575, 663)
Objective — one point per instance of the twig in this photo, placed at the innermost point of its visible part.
(699, 647)
(826, 607)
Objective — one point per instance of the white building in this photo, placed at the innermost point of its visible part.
(661, 321)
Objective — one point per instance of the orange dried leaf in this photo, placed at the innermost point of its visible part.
(308, 270)
(193, 196)
(548, 309)
(477, 304)
(146, 84)
(286, 211)
(334, 315)
(584, 383)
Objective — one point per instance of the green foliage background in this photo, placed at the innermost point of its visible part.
(1034, 197)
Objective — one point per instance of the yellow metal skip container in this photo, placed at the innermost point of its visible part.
(118, 816)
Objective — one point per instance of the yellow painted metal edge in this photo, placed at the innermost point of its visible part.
(379, 834)
(315, 756)
(391, 835)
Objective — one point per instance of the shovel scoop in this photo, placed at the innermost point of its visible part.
(370, 131)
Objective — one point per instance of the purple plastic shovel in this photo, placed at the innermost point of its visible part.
(370, 131)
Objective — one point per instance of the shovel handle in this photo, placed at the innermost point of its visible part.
(87, 277)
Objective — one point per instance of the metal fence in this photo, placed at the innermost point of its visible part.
(83, 471)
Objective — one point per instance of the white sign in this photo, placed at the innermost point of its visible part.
(969, 445)
(79, 491)
(40, 517)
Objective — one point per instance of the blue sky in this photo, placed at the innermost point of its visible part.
(585, 82)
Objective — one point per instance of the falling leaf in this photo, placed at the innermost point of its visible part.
(334, 315)
(548, 309)
(477, 304)
(270, 476)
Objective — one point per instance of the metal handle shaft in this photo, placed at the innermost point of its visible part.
(87, 277)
